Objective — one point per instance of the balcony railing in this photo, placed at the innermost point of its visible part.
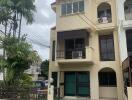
(128, 15)
(71, 54)
(105, 20)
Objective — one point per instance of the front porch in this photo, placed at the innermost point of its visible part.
(80, 85)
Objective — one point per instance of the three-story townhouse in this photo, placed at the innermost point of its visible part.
(84, 58)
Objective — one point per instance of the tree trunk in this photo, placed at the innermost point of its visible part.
(5, 28)
(20, 24)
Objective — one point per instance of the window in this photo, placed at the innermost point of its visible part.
(107, 79)
(53, 51)
(81, 6)
(63, 9)
(74, 46)
(75, 7)
(71, 8)
(107, 52)
(55, 78)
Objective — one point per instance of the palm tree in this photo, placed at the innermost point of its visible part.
(24, 9)
(19, 9)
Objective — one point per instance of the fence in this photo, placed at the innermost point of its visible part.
(24, 94)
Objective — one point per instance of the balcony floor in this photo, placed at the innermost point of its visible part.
(75, 62)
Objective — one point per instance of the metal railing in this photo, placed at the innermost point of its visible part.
(128, 15)
(56, 93)
(71, 54)
(25, 94)
(105, 20)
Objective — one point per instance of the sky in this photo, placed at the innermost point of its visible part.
(39, 32)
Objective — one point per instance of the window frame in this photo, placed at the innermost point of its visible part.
(63, 12)
(106, 37)
(72, 12)
(53, 50)
(108, 79)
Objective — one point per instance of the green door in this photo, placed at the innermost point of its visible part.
(83, 84)
(77, 84)
(70, 81)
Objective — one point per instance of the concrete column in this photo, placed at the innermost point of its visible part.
(129, 93)
(94, 85)
(51, 93)
(123, 45)
(58, 81)
(120, 87)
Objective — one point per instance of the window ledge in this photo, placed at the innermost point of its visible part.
(72, 14)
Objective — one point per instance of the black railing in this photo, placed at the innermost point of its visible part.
(71, 54)
(25, 94)
(56, 93)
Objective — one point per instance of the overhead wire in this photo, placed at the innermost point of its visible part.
(37, 42)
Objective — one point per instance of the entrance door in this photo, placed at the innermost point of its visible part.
(77, 84)
(83, 84)
(70, 84)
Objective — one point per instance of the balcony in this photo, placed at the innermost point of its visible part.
(127, 23)
(53, 6)
(75, 56)
(73, 47)
(128, 15)
(128, 10)
(127, 71)
(71, 54)
(104, 13)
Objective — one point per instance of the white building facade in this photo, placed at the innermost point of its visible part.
(34, 71)
(124, 18)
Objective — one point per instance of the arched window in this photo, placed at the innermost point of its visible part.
(107, 77)
(104, 13)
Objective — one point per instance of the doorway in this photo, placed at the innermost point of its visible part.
(77, 84)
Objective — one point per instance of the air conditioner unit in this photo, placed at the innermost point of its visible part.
(76, 54)
(104, 20)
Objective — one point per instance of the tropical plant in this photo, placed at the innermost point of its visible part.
(45, 67)
(19, 57)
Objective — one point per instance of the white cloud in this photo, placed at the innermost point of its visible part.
(45, 14)
(39, 31)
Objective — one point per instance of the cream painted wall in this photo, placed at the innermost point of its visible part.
(108, 92)
(63, 23)
(129, 93)
(96, 67)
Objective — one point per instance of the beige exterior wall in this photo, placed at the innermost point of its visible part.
(108, 92)
(95, 29)
(129, 93)
(95, 68)
(89, 15)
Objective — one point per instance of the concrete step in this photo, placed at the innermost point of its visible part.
(75, 98)
(86, 98)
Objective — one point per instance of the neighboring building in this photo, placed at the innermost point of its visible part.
(85, 55)
(124, 9)
(34, 71)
